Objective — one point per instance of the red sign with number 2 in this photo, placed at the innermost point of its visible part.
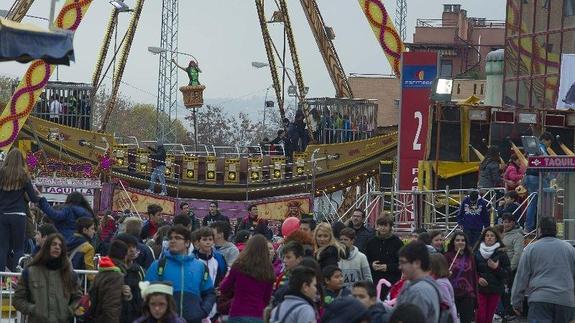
(419, 69)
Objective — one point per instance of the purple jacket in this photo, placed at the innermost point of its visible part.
(251, 296)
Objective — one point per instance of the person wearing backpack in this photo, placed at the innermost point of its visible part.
(421, 290)
(298, 304)
(193, 289)
(81, 250)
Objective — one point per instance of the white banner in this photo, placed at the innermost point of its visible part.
(68, 182)
(566, 97)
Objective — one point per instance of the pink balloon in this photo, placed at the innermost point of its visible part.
(290, 225)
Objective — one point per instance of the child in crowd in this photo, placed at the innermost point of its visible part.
(217, 267)
(81, 251)
(333, 284)
(159, 305)
(292, 255)
(298, 305)
(508, 205)
(366, 293)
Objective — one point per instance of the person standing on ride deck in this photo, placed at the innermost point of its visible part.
(489, 175)
(14, 183)
(158, 158)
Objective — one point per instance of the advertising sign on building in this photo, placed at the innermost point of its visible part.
(566, 98)
(419, 69)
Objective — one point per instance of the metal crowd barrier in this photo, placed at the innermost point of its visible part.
(8, 282)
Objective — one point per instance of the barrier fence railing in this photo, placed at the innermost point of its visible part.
(8, 283)
(430, 209)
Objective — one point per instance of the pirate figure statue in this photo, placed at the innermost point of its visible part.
(193, 71)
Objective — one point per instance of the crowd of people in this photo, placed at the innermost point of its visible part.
(70, 109)
(514, 176)
(179, 268)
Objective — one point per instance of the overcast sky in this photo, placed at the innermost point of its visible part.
(225, 37)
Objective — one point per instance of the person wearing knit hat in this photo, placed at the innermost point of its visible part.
(159, 304)
(345, 310)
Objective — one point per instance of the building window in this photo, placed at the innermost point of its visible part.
(569, 8)
(458, 88)
(481, 89)
(446, 68)
(474, 88)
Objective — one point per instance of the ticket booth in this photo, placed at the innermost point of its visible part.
(556, 194)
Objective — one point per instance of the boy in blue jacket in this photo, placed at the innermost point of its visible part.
(193, 289)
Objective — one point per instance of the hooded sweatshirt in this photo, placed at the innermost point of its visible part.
(229, 251)
(354, 268)
(473, 216)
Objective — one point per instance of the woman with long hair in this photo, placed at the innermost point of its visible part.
(75, 207)
(489, 175)
(328, 251)
(513, 174)
(159, 304)
(463, 275)
(48, 290)
(15, 184)
(492, 269)
(250, 279)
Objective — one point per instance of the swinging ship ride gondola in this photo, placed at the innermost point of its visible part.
(335, 161)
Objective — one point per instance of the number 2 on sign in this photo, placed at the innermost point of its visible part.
(417, 115)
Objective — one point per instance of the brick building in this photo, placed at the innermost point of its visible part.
(462, 44)
(385, 89)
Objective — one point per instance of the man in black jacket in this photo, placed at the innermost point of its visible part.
(382, 253)
(362, 232)
(158, 158)
(214, 215)
(250, 222)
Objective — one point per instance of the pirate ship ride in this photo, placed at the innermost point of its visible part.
(62, 143)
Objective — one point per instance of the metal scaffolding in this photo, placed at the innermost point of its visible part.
(401, 18)
(168, 72)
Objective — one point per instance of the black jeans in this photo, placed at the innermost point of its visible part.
(13, 230)
(465, 309)
(506, 297)
(550, 313)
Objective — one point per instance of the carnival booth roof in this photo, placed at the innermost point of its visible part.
(24, 43)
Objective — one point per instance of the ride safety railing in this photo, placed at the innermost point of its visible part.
(8, 283)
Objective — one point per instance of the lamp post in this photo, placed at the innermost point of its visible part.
(292, 89)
